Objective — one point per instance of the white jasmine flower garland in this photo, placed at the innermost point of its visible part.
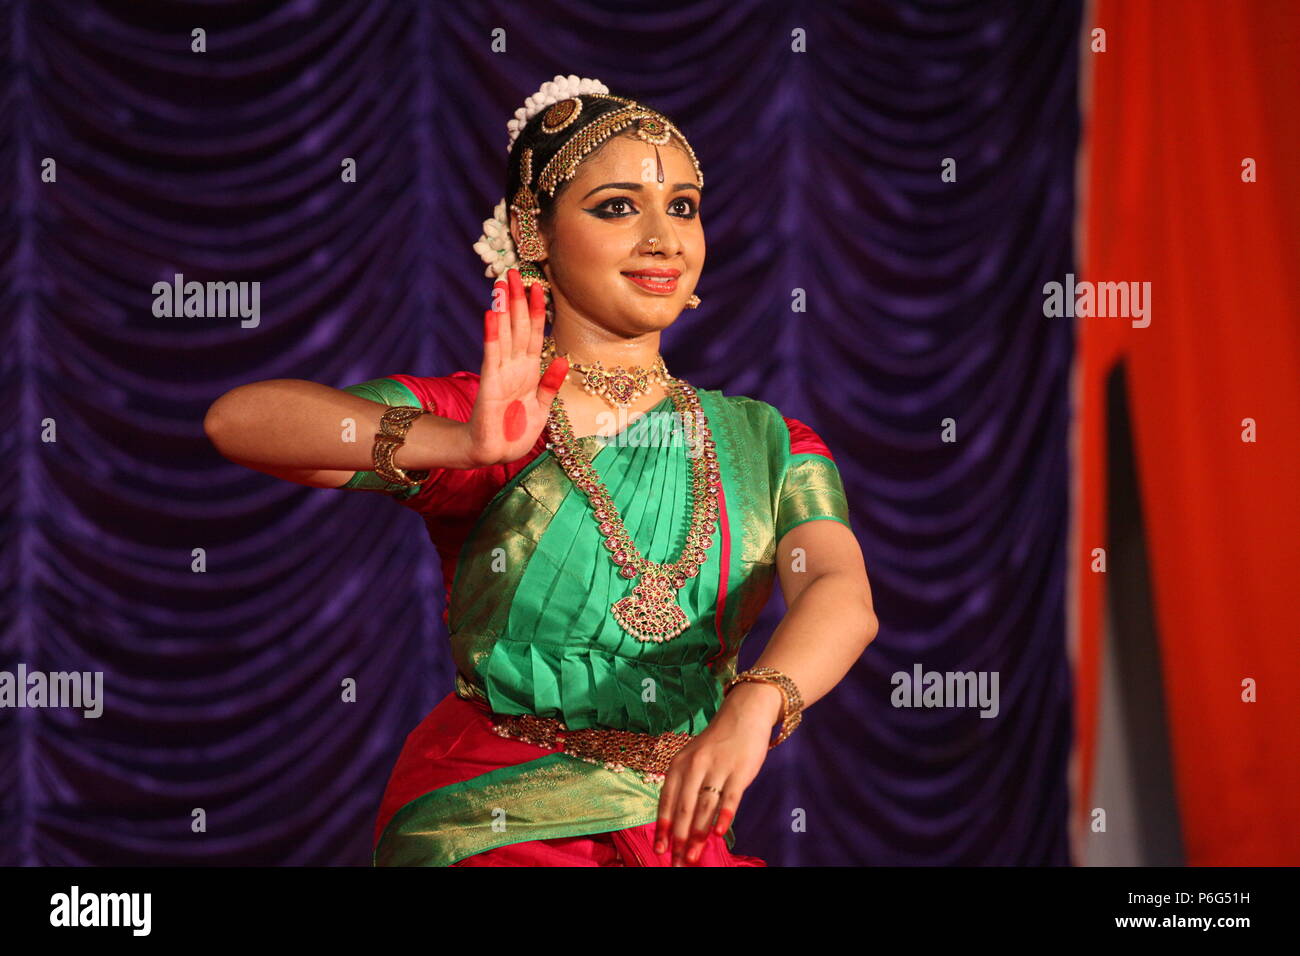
(496, 246)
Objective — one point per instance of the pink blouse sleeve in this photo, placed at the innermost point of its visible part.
(811, 487)
(804, 439)
(448, 396)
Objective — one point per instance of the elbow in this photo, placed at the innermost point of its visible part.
(871, 623)
(219, 421)
(211, 424)
(214, 425)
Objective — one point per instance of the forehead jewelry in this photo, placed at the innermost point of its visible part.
(650, 127)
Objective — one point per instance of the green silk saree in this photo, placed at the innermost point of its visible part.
(529, 597)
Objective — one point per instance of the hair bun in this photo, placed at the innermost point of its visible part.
(552, 91)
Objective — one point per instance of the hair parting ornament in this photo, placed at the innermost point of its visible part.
(564, 101)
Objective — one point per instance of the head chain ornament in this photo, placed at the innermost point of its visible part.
(562, 100)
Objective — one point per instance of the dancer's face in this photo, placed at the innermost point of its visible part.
(599, 230)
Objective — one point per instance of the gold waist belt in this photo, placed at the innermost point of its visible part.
(616, 750)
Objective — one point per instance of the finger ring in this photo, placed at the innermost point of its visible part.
(706, 787)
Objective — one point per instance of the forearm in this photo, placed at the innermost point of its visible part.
(298, 424)
(824, 632)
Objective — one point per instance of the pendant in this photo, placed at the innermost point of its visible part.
(620, 387)
(651, 612)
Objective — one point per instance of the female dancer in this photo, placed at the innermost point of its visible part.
(609, 533)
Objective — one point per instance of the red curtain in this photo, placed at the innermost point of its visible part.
(1186, 91)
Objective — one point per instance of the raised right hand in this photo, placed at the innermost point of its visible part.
(514, 398)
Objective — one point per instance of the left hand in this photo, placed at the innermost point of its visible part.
(728, 755)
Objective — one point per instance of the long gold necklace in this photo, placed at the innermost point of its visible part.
(651, 612)
(619, 386)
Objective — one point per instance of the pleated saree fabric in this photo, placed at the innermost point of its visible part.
(530, 586)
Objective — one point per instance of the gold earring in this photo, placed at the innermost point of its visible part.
(530, 272)
(530, 246)
(525, 207)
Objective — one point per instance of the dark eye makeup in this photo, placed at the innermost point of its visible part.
(606, 209)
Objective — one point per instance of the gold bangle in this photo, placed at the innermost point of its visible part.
(791, 699)
(393, 426)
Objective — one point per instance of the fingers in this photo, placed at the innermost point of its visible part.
(552, 380)
(491, 343)
(689, 815)
(501, 302)
(519, 319)
(701, 825)
(684, 810)
(663, 831)
(537, 317)
(664, 823)
(517, 323)
(492, 329)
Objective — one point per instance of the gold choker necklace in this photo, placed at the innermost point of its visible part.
(619, 386)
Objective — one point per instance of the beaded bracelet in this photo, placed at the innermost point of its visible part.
(791, 699)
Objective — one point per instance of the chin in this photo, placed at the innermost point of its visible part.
(653, 320)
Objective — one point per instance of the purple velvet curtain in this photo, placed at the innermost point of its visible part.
(223, 687)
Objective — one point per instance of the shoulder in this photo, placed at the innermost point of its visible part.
(739, 409)
(793, 436)
(805, 441)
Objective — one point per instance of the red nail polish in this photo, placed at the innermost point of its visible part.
(555, 373)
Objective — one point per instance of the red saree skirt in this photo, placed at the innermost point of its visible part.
(455, 743)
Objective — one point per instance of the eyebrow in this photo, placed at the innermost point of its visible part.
(638, 187)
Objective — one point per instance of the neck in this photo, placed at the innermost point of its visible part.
(587, 344)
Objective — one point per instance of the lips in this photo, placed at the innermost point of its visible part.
(657, 281)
